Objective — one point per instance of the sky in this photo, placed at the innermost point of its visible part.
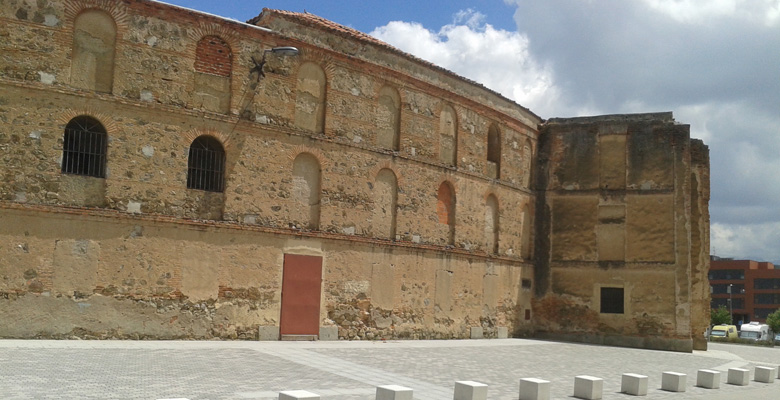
(714, 63)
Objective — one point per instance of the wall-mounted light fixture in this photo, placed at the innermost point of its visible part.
(282, 51)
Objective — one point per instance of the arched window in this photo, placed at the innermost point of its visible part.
(206, 165)
(491, 224)
(84, 147)
(445, 209)
(448, 136)
(213, 69)
(494, 152)
(310, 98)
(526, 239)
(388, 119)
(94, 40)
(385, 201)
(306, 190)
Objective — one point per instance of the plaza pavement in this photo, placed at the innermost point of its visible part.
(77, 369)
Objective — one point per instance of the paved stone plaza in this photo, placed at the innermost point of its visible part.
(351, 370)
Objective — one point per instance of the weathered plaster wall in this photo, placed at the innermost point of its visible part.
(617, 200)
(100, 274)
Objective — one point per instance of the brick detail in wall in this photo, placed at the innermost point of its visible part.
(444, 204)
(213, 56)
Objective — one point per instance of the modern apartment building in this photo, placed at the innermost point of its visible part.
(750, 289)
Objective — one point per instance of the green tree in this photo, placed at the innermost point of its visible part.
(721, 315)
(773, 320)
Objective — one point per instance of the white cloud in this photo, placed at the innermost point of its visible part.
(699, 11)
(496, 58)
(758, 242)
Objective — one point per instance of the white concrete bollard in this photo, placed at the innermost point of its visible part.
(765, 374)
(738, 376)
(534, 389)
(297, 394)
(588, 387)
(673, 381)
(634, 384)
(393, 392)
(708, 379)
(470, 390)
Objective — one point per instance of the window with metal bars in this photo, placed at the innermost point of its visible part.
(611, 300)
(84, 148)
(206, 165)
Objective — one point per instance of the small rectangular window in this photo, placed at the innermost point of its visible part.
(611, 300)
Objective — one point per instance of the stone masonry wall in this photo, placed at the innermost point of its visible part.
(138, 254)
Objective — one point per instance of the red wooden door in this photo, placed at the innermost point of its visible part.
(301, 285)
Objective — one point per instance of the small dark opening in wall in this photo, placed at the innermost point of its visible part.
(206, 165)
(527, 314)
(84, 148)
(611, 300)
(526, 283)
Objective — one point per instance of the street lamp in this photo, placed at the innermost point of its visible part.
(282, 51)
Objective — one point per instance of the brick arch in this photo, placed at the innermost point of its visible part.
(106, 120)
(387, 165)
(202, 30)
(115, 9)
(489, 192)
(188, 137)
(317, 153)
(315, 56)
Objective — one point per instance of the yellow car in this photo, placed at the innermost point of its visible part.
(724, 331)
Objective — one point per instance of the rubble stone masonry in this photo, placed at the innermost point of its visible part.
(435, 204)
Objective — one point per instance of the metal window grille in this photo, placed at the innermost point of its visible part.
(206, 165)
(84, 148)
(611, 300)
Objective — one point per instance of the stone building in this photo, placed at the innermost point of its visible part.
(171, 174)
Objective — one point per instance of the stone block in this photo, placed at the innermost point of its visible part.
(502, 332)
(329, 333)
(534, 389)
(765, 374)
(267, 333)
(393, 392)
(470, 390)
(673, 381)
(297, 394)
(738, 376)
(708, 379)
(477, 332)
(634, 384)
(588, 387)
